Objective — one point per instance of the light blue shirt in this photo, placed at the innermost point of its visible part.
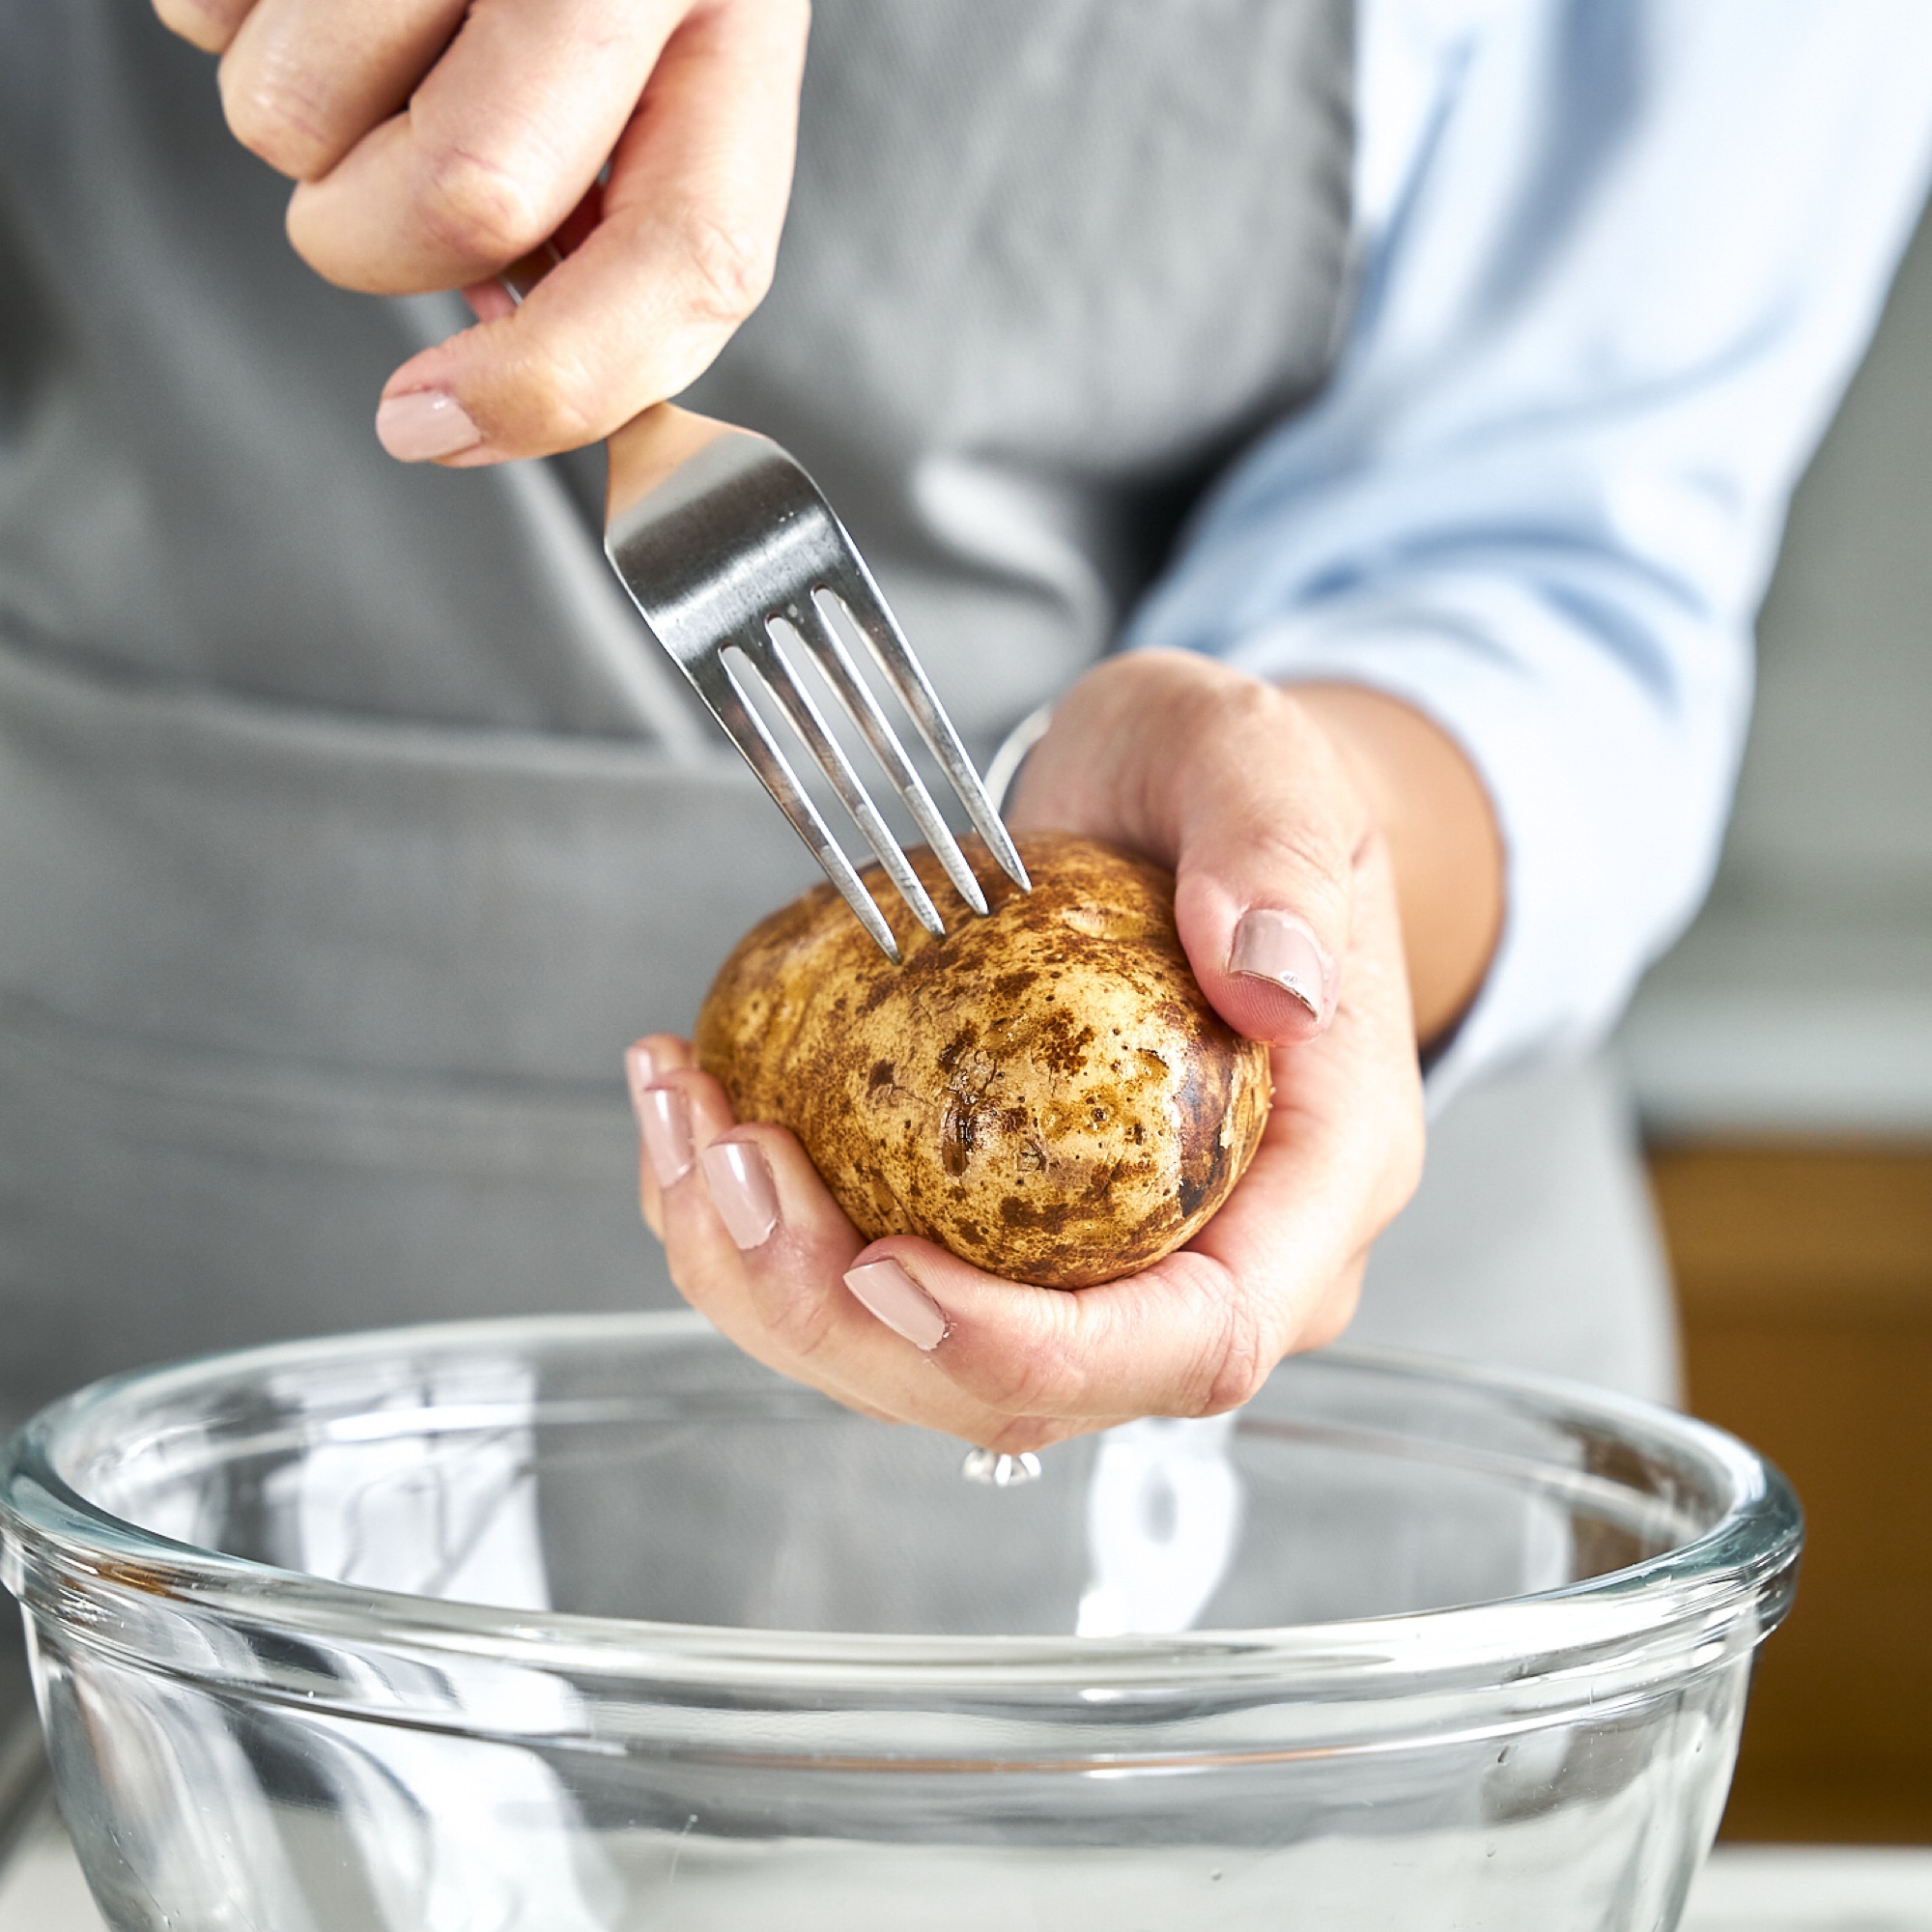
(1616, 263)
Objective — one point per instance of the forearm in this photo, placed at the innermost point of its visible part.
(1436, 813)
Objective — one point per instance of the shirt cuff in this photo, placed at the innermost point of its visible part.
(1609, 823)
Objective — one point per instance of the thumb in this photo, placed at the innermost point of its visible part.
(1244, 792)
(1269, 836)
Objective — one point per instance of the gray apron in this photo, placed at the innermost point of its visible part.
(345, 837)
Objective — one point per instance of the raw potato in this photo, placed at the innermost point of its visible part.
(1046, 1092)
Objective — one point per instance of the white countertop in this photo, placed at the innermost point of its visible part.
(1743, 1889)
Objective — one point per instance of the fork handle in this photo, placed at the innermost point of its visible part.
(648, 448)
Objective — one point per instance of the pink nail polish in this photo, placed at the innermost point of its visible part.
(899, 1302)
(666, 1117)
(423, 424)
(1279, 946)
(639, 1071)
(741, 1187)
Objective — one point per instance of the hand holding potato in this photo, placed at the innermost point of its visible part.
(1044, 1091)
(1266, 806)
(434, 142)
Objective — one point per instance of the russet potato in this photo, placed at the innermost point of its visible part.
(1046, 1092)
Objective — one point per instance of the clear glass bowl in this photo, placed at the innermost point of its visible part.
(593, 1623)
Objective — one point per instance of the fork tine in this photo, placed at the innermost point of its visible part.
(866, 607)
(828, 651)
(782, 680)
(711, 678)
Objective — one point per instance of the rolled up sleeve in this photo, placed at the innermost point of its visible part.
(1595, 336)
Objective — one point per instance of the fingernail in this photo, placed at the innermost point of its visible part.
(1277, 946)
(899, 1302)
(639, 1071)
(490, 302)
(741, 1190)
(423, 424)
(666, 1118)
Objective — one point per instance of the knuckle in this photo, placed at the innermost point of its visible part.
(1237, 1362)
(1022, 1433)
(1411, 1143)
(277, 117)
(1302, 849)
(1024, 1384)
(560, 408)
(729, 261)
(803, 1325)
(688, 1281)
(207, 24)
(1336, 1311)
(1215, 703)
(477, 206)
(1406, 1148)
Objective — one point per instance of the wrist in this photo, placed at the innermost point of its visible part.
(1432, 809)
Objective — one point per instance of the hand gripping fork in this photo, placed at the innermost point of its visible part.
(716, 532)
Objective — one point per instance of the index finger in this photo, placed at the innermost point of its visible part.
(680, 254)
(498, 144)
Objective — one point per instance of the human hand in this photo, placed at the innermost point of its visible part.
(1287, 905)
(434, 143)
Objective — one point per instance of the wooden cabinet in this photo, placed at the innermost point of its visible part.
(1806, 1281)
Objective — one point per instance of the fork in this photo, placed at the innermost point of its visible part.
(716, 532)
(720, 537)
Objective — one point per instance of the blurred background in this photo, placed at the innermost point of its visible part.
(1782, 1057)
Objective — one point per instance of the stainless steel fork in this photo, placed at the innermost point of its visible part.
(720, 538)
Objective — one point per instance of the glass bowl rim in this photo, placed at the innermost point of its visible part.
(1698, 1589)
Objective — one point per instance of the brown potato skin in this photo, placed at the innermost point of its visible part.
(1046, 1092)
